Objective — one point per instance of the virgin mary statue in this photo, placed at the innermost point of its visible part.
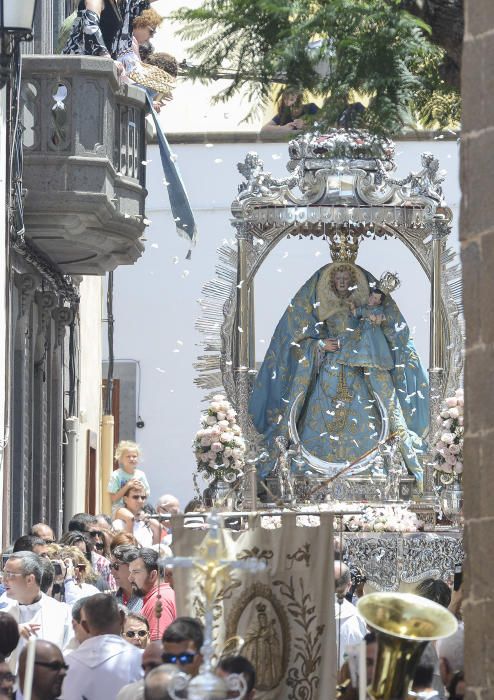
(340, 378)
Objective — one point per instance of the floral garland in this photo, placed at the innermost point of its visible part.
(218, 446)
(448, 439)
(339, 143)
(383, 519)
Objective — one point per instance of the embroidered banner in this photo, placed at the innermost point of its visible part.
(281, 619)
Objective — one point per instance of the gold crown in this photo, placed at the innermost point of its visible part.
(388, 282)
(344, 247)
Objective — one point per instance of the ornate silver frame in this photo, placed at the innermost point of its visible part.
(329, 194)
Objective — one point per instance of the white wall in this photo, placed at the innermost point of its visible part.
(90, 314)
(156, 299)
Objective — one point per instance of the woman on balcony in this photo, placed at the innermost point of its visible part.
(104, 27)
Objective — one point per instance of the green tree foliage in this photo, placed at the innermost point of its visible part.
(372, 50)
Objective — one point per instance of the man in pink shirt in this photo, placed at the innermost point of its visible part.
(147, 579)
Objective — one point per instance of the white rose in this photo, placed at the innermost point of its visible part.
(445, 414)
(454, 449)
(223, 424)
(447, 438)
(211, 420)
(459, 467)
(231, 415)
(459, 393)
(215, 406)
(236, 429)
(460, 420)
(454, 412)
(221, 416)
(448, 423)
(205, 442)
(460, 401)
(451, 401)
(228, 451)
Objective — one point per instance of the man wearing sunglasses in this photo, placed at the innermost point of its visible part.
(49, 671)
(182, 642)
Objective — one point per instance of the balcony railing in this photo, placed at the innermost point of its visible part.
(84, 147)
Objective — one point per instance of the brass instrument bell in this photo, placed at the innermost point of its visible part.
(404, 624)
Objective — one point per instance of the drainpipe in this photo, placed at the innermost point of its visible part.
(71, 504)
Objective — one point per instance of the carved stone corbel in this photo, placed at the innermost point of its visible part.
(46, 302)
(63, 316)
(26, 284)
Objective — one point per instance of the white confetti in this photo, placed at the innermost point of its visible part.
(185, 273)
(173, 157)
(261, 340)
(154, 245)
(297, 345)
(176, 350)
(175, 260)
(302, 359)
(146, 162)
(285, 254)
(165, 182)
(218, 160)
(180, 342)
(273, 376)
(240, 330)
(158, 369)
(208, 145)
(275, 156)
(239, 285)
(334, 437)
(279, 269)
(321, 434)
(317, 253)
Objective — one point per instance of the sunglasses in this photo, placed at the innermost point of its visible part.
(53, 665)
(95, 533)
(140, 633)
(184, 658)
(115, 565)
(140, 498)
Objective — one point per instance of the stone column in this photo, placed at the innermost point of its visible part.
(477, 242)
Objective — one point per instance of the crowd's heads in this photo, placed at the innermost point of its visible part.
(136, 630)
(80, 633)
(9, 635)
(123, 538)
(85, 522)
(47, 576)
(30, 543)
(242, 667)
(135, 499)
(44, 531)
(182, 642)
(342, 578)
(436, 590)
(49, 671)
(168, 504)
(127, 454)
(76, 538)
(156, 682)
(22, 575)
(144, 570)
(151, 656)
(145, 26)
(100, 614)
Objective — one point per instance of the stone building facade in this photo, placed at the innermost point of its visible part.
(477, 240)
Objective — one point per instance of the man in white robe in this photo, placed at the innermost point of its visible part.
(36, 613)
(104, 662)
(350, 626)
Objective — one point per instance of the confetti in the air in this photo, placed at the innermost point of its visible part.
(162, 371)
(273, 376)
(185, 273)
(218, 160)
(240, 330)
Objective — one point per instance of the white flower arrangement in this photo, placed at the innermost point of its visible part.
(218, 446)
(383, 519)
(448, 439)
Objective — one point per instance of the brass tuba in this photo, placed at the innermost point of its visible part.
(404, 624)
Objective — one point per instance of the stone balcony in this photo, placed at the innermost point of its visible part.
(84, 147)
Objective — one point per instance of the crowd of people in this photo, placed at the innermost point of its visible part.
(101, 606)
(99, 602)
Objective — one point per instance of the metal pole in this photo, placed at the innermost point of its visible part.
(436, 348)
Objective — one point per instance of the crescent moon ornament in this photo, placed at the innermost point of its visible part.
(328, 469)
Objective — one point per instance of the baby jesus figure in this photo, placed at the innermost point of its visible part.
(367, 345)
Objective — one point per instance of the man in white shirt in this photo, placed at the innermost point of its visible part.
(350, 626)
(104, 662)
(35, 613)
